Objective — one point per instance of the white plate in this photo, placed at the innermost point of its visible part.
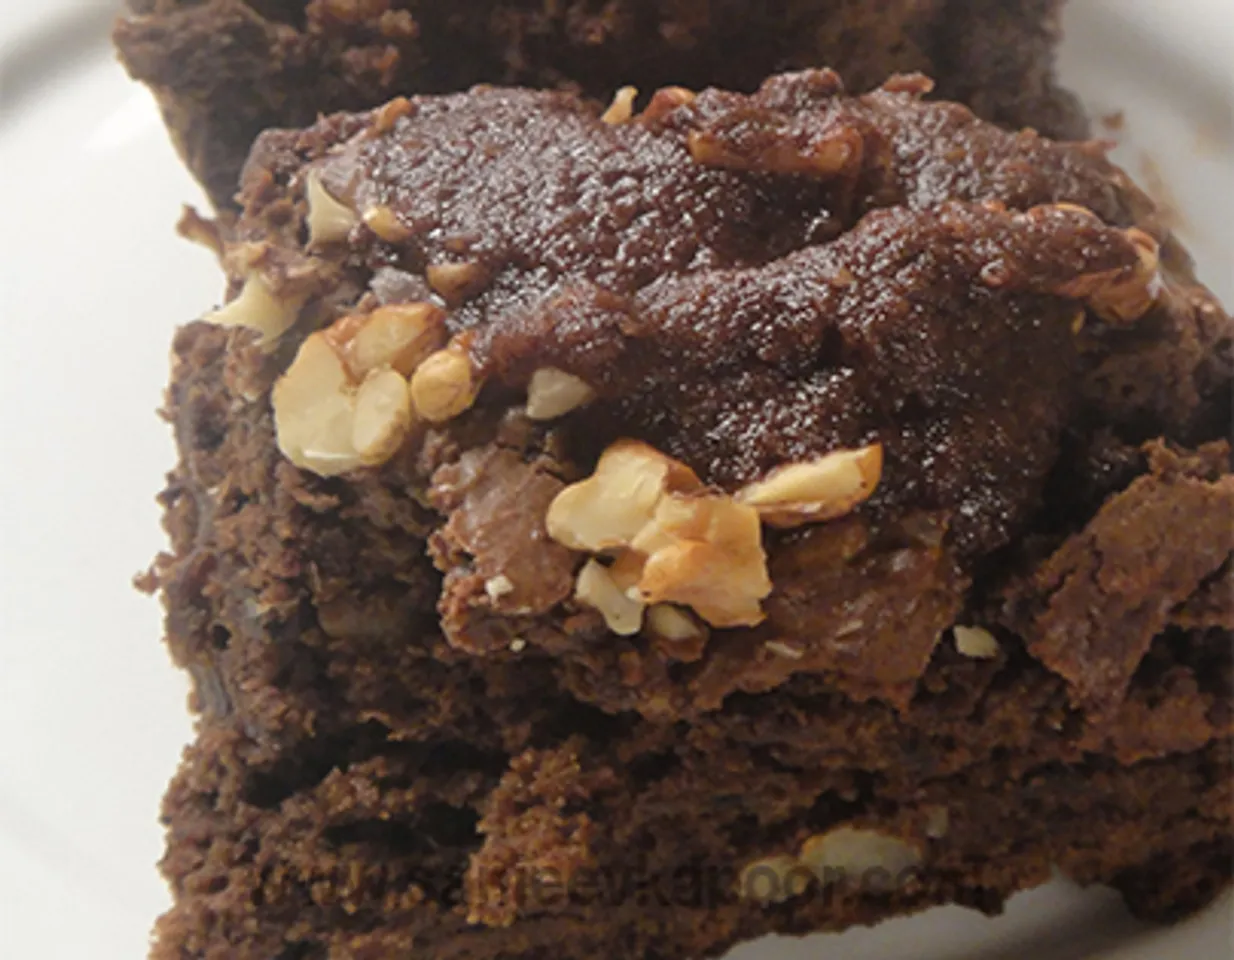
(92, 283)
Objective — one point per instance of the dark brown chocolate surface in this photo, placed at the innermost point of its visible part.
(388, 754)
(224, 70)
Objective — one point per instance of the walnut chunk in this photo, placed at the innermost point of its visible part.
(608, 509)
(822, 489)
(835, 154)
(398, 335)
(389, 114)
(382, 416)
(314, 411)
(622, 108)
(385, 223)
(707, 555)
(1122, 296)
(456, 283)
(553, 393)
(975, 642)
(860, 858)
(692, 548)
(329, 220)
(257, 308)
(597, 588)
(331, 418)
(673, 623)
(444, 385)
(664, 101)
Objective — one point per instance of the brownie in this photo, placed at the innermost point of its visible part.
(628, 535)
(224, 70)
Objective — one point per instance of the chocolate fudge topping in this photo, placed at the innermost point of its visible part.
(610, 537)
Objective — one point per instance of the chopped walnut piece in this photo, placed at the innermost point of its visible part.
(553, 393)
(597, 588)
(622, 108)
(314, 411)
(852, 856)
(673, 623)
(388, 114)
(975, 642)
(836, 154)
(695, 549)
(498, 587)
(822, 489)
(345, 401)
(786, 650)
(329, 220)
(664, 101)
(382, 416)
(385, 223)
(609, 508)
(708, 555)
(257, 308)
(398, 335)
(1122, 296)
(456, 282)
(444, 385)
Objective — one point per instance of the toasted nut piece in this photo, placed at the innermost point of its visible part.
(610, 508)
(456, 282)
(975, 642)
(329, 220)
(674, 623)
(382, 417)
(665, 100)
(387, 115)
(773, 879)
(785, 650)
(314, 411)
(553, 393)
(714, 563)
(822, 489)
(498, 587)
(836, 153)
(1122, 296)
(622, 107)
(257, 308)
(597, 588)
(443, 385)
(385, 223)
(848, 855)
(398, 335)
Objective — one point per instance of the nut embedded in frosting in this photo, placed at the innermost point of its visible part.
(444, 385)
(822, 489)
(345, 402)
(553, 393)
(692, 548)
(621, 110)
(328, 220)
(615, 503)
(398, 335)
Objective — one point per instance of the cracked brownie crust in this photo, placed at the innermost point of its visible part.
(224, 70)
(441, 707)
